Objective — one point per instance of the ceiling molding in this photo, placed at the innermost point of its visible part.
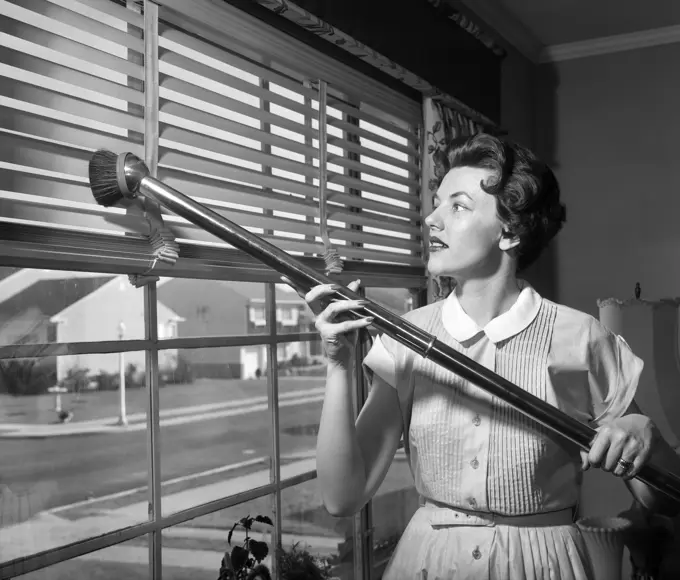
(507, 26)
(611, 44)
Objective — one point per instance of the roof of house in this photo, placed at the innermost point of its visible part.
(51, 296)
(393, 299)
(180, 293)
(6, 271)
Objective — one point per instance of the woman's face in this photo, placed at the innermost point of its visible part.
(466, 234)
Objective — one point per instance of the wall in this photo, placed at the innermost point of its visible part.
(517, 97)
(97, 317)
(518, 118)
(613, 134)
(609, 124)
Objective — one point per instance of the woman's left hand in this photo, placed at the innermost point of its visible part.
(622, 446)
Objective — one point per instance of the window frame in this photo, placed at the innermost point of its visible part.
(152, 344)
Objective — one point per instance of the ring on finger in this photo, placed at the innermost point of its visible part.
(625, 464)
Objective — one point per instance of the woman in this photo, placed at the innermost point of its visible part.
(498, 492)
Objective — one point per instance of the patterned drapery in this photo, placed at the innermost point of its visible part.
(441, 125)
(294, 13)
(451, 9)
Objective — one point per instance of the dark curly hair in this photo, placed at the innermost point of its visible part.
(526, 190)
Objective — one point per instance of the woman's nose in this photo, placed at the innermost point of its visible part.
(431, 220)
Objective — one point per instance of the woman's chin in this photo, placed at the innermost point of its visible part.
(436, 267)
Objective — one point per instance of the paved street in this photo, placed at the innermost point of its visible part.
(58, 485)
(82, 466)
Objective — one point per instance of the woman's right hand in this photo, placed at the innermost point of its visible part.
(338, 337)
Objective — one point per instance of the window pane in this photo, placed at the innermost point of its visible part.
(129, 560)
(306, 522)
(393, 505)
(189, 308)
(194, 549)
(397, 300)
(302, 382)
(40, 306)
(215, 426)
(70, 470)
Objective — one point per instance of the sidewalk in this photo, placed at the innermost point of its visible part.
(46, 531)
(168, 417)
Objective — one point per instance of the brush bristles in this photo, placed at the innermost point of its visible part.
(103, 172)
(334, 263)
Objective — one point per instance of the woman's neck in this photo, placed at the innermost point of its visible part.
(484, 300)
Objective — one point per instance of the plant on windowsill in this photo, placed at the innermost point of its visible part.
(245, 561)
(299, 564)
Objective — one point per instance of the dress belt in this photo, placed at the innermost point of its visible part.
(441, 515)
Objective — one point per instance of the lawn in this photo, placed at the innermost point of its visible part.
(87, 406)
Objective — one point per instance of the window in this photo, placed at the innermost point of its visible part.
(257, 315)
(139, 424)
(249, 134)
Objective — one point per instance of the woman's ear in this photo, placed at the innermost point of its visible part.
(508, 241)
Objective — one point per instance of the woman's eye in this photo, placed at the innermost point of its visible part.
(458, 207)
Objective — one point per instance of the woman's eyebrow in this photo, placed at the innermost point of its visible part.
(460, 194)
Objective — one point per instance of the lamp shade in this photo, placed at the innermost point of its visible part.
(651, 330)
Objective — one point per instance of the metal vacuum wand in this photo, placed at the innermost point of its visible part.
(127, 176)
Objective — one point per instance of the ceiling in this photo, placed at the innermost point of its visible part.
(547, 23)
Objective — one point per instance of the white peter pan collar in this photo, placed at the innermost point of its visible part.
(520, 315)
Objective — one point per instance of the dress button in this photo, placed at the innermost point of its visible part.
(474, 463)
(476, 421)
(476, 554)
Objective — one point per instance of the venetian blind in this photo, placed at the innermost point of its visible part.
(235, 127)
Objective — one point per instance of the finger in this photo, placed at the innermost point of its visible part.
(633, 451)
(598, 450)
(320, 291)
(351, 325)
(335, 308)
(585, 464)
(638, 464)
(301, 292)
(616, 445)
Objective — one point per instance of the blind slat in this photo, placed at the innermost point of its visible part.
(222, 191)
(73, 215)
(57, 105)
(169, 61)
(262, 221)
(98, 7)
(213, 191)
(364, 185)
(363, 168)
(169, 85)
(357, 130)
(377, 206)
(70, 24)
(392, 160)
(42, 247)
(187, 114)
(354, 111)
(175, 39)
(74, 81)
(69, 53)
(38, 129)
(193, 163)
(212, 145)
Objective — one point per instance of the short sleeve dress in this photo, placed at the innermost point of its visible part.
(498, 491)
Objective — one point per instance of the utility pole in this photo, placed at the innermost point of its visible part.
(122, 420)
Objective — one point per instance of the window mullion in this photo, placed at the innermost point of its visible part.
(151, 137)
(273, 400)
(153, 429)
